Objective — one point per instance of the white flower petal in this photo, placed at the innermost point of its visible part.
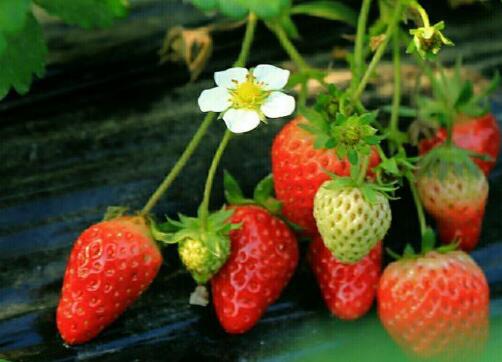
(228, 78)
(278, 105)
(214, 100)
(241, 120)
(272, 77)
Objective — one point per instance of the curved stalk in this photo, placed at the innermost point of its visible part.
(289, 47)
(379, 53)
(204, 206)
(359, 44)
(418, 205)
(201, 131)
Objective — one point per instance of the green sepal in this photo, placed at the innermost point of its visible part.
(263, 195)
(428, 244)
(370, 191)
(233, 192)
(454, 96)
(428, 240)
(203, 250)
(113, 212)
(442, 160)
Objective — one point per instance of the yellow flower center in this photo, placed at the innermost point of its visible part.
(248, 94)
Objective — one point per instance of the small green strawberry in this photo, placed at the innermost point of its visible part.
(202, 250)
(351, 218)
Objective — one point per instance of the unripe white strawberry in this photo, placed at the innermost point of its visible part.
(350, 223)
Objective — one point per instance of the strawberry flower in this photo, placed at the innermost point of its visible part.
(428, 40)
(247, 97)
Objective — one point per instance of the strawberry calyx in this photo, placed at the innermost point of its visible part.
(453, 98)
(262, 196)
(113, 212)
(350, 136)
(369, 190)
(202, 250)
(427, 245)
(448, 158)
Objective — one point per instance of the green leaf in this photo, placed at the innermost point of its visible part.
(331, 10)
(390, 166)
(353, 157)
(233, 8)
(465, 94)
(266, 9)
(233, 192)
(296, 79)
(113, 212)
(315, 118)
(428, 240)
(264, 189)
(23, 56)
(408, 251)
(372, 140)
(205, 5)
(321, 141)
(13, 14)
(86, 13)
(219, 218)
(289, 27)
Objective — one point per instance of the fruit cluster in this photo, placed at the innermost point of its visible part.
(336, 167)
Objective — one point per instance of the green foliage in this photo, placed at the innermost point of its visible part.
(86, 13)
(453, 96)
(331, 10)
(262, 195)
(266, 9)
(237, 9)
(206, 5)
(351, 136)
(22, 47)
(13, 15)
(445, 159)
(203, 250)
(23, 56)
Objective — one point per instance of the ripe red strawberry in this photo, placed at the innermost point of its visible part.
(456, 201)
(263, 257)
(435, 305)
(298, 170)
(111, 264)
(348, 289)
(477, 134)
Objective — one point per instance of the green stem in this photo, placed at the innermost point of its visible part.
(396, 100)
(359, 45)
(289, 47)
(171, 176)
(449, 105)
(200, 133)
(379, 53)
(204, 206)
(362, 171)
(247, 41)
(418, 205)
(423, 14)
